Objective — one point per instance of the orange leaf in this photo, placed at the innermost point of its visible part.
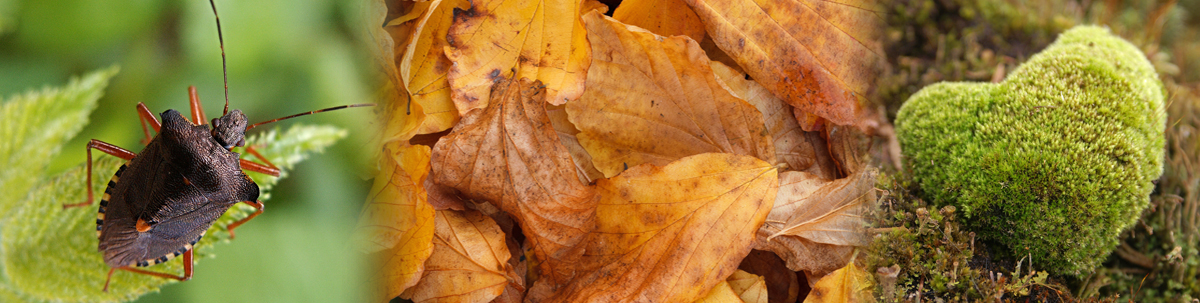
(791, 146)
(651, 99)
(397, 219)
(669, 234)
(848, 284)
(663, 17)
(535, 39)
(403, 118)
(819, 56)
(424, 65)
(509, 153)
(750, 288)
(469, 261)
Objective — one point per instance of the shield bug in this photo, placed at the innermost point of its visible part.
(160, 201)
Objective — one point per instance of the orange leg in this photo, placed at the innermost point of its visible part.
(106, 148)
(145, 116)
(187, 271)
(197, 111)
(265, 167)
(256, 205)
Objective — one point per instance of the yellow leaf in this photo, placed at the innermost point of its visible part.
(535, 39)
(848, 284)
(820, 56)
(750, 287)
(509, 154)
(653, 99)
(567, 135)
(403, 118)
(670, 234)
(791, 146)
(663, 17)
(721, 293)
(397, 220)
(424, 65)
(469, 261)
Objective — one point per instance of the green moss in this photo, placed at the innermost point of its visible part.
(1054, 161)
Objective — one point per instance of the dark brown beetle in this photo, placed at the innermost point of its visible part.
(162, 200)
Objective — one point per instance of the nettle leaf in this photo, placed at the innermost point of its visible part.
(50, 253)
(37, 124)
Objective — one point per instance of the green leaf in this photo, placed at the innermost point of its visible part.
(35, 126)
(49, 254)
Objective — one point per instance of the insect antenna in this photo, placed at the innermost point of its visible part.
(224, 69)
(309, 113)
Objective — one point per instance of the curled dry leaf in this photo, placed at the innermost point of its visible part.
(721, 293)
(816, 223)
(469, 262)
(567, 135)
(820, 56)
(669, 234)
(750, 288)
(663, 17)
(423, 64)
(848, 284)
(782, 284)
(509, 154)
(791, 146)
(535, 39)
(823, 211)
(397, 220)
(653, 99)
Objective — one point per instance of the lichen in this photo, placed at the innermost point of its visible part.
(1054, 161)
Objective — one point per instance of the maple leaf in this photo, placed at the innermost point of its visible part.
(469, 261)
(662, 17)
(820, 56)
(535, 39)
(664, 97)
(509, 154)
(669, 234)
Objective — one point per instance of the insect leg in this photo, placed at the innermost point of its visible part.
(106, 148)
(145, 116)
(255, 204)
(264, 167)
(197, 111)
(187, 271)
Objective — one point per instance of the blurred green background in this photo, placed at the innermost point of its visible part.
(284, 57)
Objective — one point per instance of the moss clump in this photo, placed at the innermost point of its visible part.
(1054, 161)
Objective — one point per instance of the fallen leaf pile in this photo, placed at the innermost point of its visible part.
(683, 151)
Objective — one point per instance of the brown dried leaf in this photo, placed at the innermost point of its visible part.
(819, 56)
(791, 146)
(396, 218)
(822, 211)
(651, 99)
(509, 154)
(662, 17)
(567, 135)
(469, 261)
(815, 259)
(535, 39)
(423, 64)
(669, 234)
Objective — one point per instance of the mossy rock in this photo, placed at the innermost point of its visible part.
(1054, 161)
